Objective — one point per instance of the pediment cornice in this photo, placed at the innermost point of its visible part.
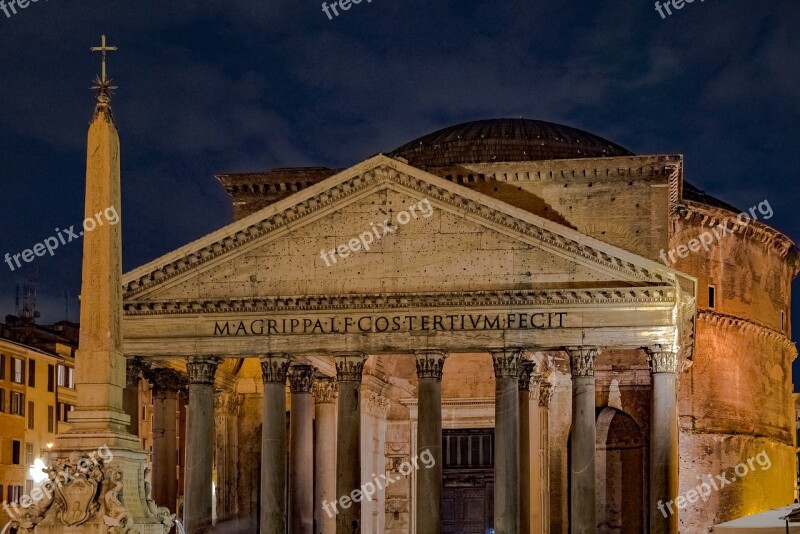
(388, 301)
(373, 174)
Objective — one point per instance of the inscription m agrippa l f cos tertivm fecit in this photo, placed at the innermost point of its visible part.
(390, 323)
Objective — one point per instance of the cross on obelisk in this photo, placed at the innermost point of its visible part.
(103, 49)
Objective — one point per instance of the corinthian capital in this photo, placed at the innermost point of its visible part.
(375, 404)
(430, 363)
(325, 390)
(350, 366)
(301, 378)
(274, 368)
(506, 362)
(202, 370)
(545, 394)
(528, 377)
(166, 382)
(581, 361)
(661, 360)
(134, 367)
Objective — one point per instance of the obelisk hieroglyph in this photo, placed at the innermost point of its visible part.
(98, 469)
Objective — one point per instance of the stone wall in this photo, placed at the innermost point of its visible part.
(736, 400)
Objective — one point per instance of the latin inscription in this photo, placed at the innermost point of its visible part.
(369, 324)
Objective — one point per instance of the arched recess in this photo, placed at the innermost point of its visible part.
(621, 492)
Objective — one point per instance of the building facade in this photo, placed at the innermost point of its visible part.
(531, 303)
(36, 394)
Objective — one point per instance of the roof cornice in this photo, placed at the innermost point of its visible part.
(712, 216)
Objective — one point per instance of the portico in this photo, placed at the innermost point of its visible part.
(539, 302)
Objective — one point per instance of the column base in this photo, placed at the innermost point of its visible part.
(97, 489)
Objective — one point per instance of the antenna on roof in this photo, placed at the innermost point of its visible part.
(29, 298)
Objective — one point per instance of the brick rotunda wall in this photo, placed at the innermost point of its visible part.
(735, 401)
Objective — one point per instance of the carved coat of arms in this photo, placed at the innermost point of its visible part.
(78, 496)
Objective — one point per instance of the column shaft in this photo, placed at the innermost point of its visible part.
(130, 395)
(200, 444)
(429, 438)
(506, 459)
(324, 455)
(301, 451)
(165, 448)
(273, 444)
(226, 405)
(664, 451)
(167, 386)
(527, 462)
(582, 470)
(130, 403)
(545, 395)
(348, 441)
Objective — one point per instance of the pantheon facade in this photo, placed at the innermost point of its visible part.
(473, 331)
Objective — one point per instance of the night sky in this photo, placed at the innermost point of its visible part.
(207, 87)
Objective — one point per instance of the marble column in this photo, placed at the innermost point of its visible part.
(301, 451)
(274, 368)
(325, 393)
(664, 453)
(167, 383)
(582, 453)
(199, 443)
(130, 395)
(528, 462)
(226, 411)
(506, 456)
(429, 438)
(349, 368)
(545, 396)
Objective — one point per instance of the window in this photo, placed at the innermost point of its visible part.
(17, 371)
(783, 321)
(465, 449)
(14, 494)
(28, 487)
(65, 376)
(63, 410)
(51, 419)
(31, 374)
(15, 451)
(31, 419)
(144, 414)
(2, 401)
(29, 454)
(51, 378)
(2, 366)
(712, 290)
(17, 403)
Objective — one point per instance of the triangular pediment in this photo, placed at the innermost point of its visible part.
(454, 240)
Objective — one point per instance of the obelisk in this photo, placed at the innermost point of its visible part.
(99, 468)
